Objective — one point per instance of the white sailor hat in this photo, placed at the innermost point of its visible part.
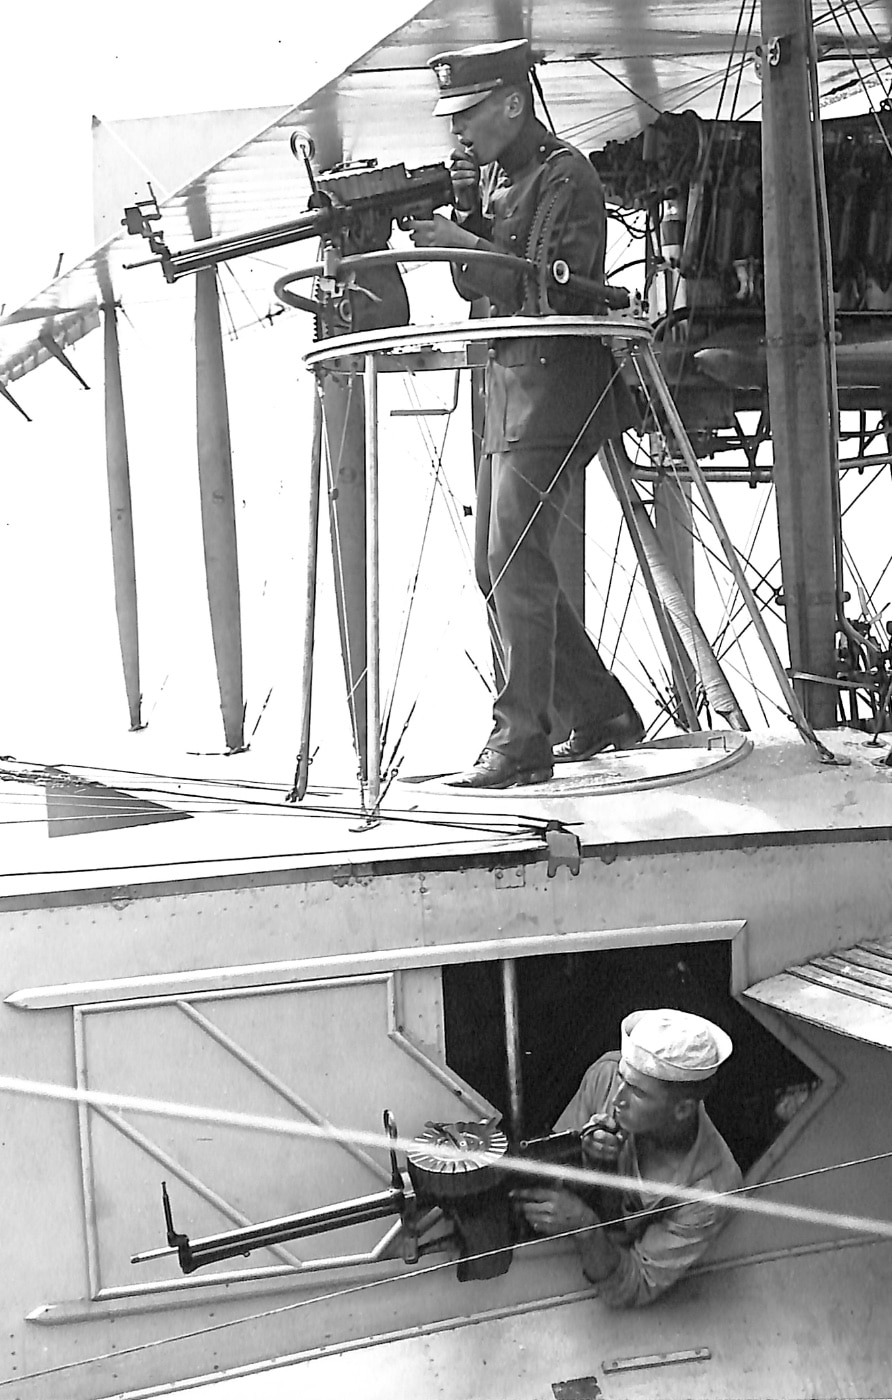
(467, 76)
(674, 1045)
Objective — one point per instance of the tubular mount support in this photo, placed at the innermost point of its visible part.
(558, 273)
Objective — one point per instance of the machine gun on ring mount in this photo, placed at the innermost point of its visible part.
(352, 209)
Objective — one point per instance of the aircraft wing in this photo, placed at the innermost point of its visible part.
(608, 67)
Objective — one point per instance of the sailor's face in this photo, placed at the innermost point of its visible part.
(484, 130)
(641, 1104)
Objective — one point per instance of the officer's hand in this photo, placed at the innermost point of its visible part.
(601, 1140)
(465, 174)
(439, 232)
(553, 1212)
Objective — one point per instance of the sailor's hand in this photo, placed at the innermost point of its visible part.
(439, 232)
(601, 1140)
(553, 1212)
(465, 174)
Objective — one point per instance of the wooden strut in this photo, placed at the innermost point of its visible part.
(218, 507)
(121, 518)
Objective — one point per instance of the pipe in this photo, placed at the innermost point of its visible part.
(306, 683)
(373, 620)
(512, 1045)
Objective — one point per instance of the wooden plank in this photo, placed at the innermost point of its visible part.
(825, 1006)
(853, 991)
(855, 971)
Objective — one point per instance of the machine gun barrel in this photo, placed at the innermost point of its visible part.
(211, 1249)
(314, 224)
(341, 200)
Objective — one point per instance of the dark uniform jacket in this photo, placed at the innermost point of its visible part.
(541, 392)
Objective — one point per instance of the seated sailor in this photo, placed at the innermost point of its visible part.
(641, 1113)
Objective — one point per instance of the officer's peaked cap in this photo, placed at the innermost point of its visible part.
(673, 1045)
(467, 76)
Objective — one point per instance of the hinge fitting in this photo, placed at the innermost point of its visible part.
(564, 848)
(774, 52)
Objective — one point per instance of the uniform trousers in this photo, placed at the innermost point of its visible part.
(551, 665)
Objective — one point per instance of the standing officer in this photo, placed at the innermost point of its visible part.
(641, 1113)
(550, 404)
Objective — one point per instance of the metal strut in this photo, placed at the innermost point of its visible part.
(650, 364)
(677, 621)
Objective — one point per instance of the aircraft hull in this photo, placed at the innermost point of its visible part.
(321, 988)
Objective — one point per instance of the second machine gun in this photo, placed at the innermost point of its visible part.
(454, 1170)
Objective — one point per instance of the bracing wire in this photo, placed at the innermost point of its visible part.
(403, 630)
(677, 98)
(259, 317)
(833, 13)
(748, 550)
(539, 506)
(439, 482)
(614, 77)
(233, 331)
(614, 562)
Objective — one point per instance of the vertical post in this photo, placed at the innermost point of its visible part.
(117, 460)
(797, 353)
(218, 505)
(373, 636)
(512, 1045)
(306, 683)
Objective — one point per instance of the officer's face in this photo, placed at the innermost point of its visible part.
(485, 130)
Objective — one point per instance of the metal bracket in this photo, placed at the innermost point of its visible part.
(138, 219)
(774, 52)
(564, 848)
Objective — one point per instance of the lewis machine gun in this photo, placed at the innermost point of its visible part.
(455, 1172)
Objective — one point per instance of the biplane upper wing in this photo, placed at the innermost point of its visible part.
(608, 66)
